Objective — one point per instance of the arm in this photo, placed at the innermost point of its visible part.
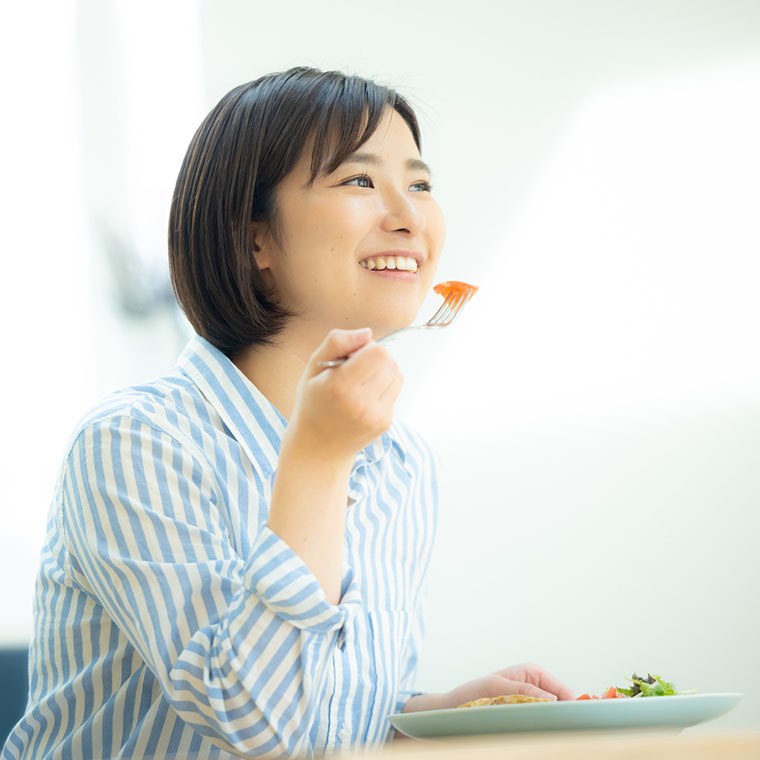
(239, 645)
(316, 535)
(337, 413)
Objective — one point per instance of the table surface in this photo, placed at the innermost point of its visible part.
(578, 746)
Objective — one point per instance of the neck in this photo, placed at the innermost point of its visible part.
(276, 369)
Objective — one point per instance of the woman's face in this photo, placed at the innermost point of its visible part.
(374, 211)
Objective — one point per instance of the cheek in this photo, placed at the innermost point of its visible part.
(436, 230)
(330, 225)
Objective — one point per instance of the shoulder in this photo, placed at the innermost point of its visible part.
(413, 446)
(166, 408)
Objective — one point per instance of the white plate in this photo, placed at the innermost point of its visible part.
(587, 714)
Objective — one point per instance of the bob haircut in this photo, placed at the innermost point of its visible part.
(246, 145)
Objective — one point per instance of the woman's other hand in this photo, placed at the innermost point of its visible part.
(527, 679)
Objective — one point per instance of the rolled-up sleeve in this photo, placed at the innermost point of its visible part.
(239, 645)
(408, 680)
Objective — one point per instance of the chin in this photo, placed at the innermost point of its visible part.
(380, 331)
(394, 321)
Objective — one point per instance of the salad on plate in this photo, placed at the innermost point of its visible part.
(651, 686)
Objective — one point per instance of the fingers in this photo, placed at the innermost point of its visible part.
(494, 686)
(337, 344)
(538, 677)
(365, 358)
(392, 391)
(555, 686)
(380, 388)
(355, 399)
(370, 366)
(526, 689)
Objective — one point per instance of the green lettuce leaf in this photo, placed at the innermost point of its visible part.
(653, 686)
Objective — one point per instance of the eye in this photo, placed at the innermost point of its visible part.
(363, 180)
(424, 185)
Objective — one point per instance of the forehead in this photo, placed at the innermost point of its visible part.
(392, 143)
(392, 135)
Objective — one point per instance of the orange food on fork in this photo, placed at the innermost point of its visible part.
(455, 296)
(452, 287)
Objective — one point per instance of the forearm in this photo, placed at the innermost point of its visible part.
(308, 511)
(422, 702)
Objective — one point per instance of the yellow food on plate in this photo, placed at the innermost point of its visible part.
(511, 699)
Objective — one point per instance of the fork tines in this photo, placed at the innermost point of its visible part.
(449, 309)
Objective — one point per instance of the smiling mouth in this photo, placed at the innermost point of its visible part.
(390, 263)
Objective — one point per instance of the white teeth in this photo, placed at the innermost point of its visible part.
(401, 263)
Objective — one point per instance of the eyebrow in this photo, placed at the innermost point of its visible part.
(372, 158)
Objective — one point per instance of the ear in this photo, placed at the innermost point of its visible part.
(262, 245)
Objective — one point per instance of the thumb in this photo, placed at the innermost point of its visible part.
(336, 345)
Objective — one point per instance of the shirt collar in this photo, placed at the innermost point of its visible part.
(252, 419)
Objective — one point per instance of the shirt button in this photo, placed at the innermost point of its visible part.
(343, 734)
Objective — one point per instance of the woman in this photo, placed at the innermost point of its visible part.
(236, 552)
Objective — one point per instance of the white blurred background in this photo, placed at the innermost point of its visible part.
(596, 411)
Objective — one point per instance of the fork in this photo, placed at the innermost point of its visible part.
(455, 296)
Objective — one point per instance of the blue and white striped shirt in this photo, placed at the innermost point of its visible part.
(171, 622)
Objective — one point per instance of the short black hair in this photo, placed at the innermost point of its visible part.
(246, 145)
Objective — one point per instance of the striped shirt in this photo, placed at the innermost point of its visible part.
(171, 622)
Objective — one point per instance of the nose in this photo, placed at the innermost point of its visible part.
(400, 213)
